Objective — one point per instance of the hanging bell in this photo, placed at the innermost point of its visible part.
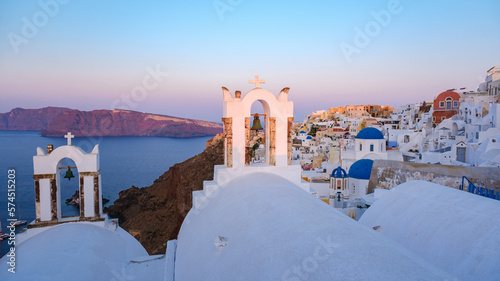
(256, 123)
(69, 174)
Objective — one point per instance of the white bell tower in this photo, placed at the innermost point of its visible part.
(278, 118)
(47, 178)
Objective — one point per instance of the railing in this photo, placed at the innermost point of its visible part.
(479, 190)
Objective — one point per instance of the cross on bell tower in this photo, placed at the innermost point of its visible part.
(257, 81)
(69, 136)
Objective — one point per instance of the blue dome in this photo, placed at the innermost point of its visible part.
(339, 173)
(361, 169)
(302, 132)
(370, 134)
(308, 138)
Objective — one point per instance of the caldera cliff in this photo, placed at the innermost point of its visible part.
(154, 214)
(20, 119)
(127, 123)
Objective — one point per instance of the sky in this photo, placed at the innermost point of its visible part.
(172, 57)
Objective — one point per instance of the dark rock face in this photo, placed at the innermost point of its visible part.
(75, 200)
(19, 119)
(154, 214)
(127, 123)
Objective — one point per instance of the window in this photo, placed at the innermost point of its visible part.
(433, 118)
(448, 103)
(455, 104)
(360, 147)
(442, 118)
(441, 104)
(371, 147)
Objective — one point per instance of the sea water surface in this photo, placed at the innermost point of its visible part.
(124, 161)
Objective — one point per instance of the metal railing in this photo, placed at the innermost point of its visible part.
(479, 190)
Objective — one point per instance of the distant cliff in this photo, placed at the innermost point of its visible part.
(127, 123)
(20, 119)
(57, 121)
(154, 214)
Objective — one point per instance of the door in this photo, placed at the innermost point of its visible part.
(461, 154)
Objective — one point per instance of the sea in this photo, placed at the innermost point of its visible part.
(124, 162)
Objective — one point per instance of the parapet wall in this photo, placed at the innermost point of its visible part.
(387, 174)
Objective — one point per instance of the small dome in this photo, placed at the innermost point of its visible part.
(339, 173)
(361, 169)
(80, 250)
(309, 138)
(370, 134)
(302, 132)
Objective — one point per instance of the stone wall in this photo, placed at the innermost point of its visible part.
(387, 174)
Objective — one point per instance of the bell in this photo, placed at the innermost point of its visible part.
(256, 123)
(69, 174)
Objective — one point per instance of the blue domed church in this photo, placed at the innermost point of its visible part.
(359, 176)
(339, 184)
(370, 144)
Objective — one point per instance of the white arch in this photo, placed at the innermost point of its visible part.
(266, 98)
(372, 156)
(86, 162)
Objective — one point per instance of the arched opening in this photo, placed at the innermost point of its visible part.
(454, 129)
(406, 138)
(448, 103)
(258, 141)
(68, 189)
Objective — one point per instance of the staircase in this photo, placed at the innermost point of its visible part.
(479, 190)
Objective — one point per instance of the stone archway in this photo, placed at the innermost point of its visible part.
(269, 134)
(63, 184)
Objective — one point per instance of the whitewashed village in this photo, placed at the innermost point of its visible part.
(459, 127)
(362, 192)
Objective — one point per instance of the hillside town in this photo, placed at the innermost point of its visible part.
(459, 127)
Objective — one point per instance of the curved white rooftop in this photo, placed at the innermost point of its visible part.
(263, 227)
(453, 229)
(73, 251)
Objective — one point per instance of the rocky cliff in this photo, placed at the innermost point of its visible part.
(154, 214)
(20, 119)
(127, 123)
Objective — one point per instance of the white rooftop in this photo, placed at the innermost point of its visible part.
(75, 251)
(262, 227)
(453, 229)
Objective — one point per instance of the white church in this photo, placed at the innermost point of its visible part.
(260, 221)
